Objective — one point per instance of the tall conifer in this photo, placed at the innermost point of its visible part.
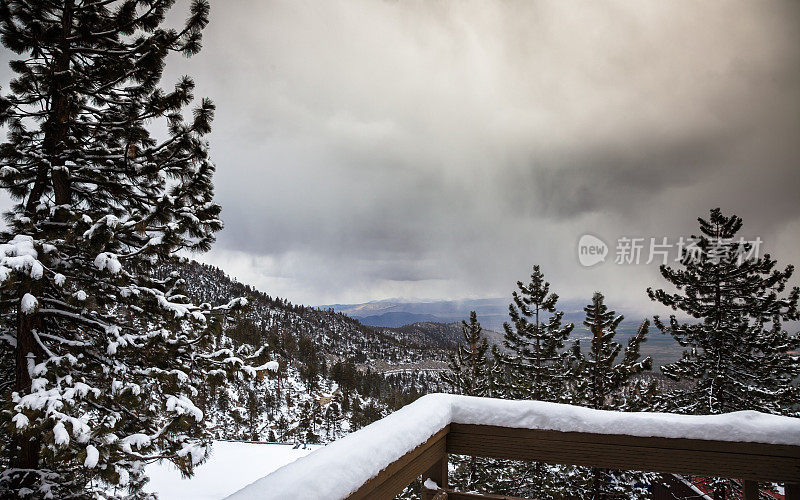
(600, 381)
(533, 366)
(469, 367)
(739, 356)
(534, 339)
(107, 357)
(469, 374)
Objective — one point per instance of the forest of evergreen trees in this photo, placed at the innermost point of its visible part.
(116, 352)
(737, 356)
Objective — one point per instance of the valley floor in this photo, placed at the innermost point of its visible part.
(231, 466)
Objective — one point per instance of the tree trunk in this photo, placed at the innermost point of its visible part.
(25, 451)
(56, 128)
(598, 484)
(472, 470)
(536, 375)
(598, 396)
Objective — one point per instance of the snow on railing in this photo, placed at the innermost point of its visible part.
(342, 467)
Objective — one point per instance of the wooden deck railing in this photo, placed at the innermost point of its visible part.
(381, 459)
(751, 462)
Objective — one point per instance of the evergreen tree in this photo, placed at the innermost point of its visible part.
(333, 415)
(310, 418)
(534, 366)
(600, 378)
(600, 383)
(255, 407)
(282, 425)
(739, 355)
(107, 356)
(468, 367)
(469, 375)
(309, 363)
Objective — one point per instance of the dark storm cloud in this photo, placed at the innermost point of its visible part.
(565, 184)
(369, 149)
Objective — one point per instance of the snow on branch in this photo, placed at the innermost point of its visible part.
(19, 255)
(108, 261)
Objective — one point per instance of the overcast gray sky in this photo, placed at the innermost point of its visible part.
(374, 149)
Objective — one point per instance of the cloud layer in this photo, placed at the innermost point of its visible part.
(370, 149)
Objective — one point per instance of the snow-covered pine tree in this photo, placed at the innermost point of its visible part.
(255, 408)
(469, 375)
(599, 383)
(469, 367)
(534, 367)
(333, 417)
(108, 357)
(600, 377)
(739, 355)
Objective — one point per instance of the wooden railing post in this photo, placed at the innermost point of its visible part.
(438, 474)
(750, 490)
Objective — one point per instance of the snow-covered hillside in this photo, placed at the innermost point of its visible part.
(334, 375)
(334, 334)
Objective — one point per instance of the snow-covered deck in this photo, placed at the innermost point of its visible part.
(342, 468)
(230, 466)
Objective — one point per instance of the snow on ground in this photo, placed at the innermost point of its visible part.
(342, 466)
(231, 466)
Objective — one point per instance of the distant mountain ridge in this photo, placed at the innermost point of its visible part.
(419, 320)
(492, 312)
(396, 319)
(445, 335)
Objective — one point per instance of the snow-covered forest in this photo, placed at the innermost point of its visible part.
(120, 354)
